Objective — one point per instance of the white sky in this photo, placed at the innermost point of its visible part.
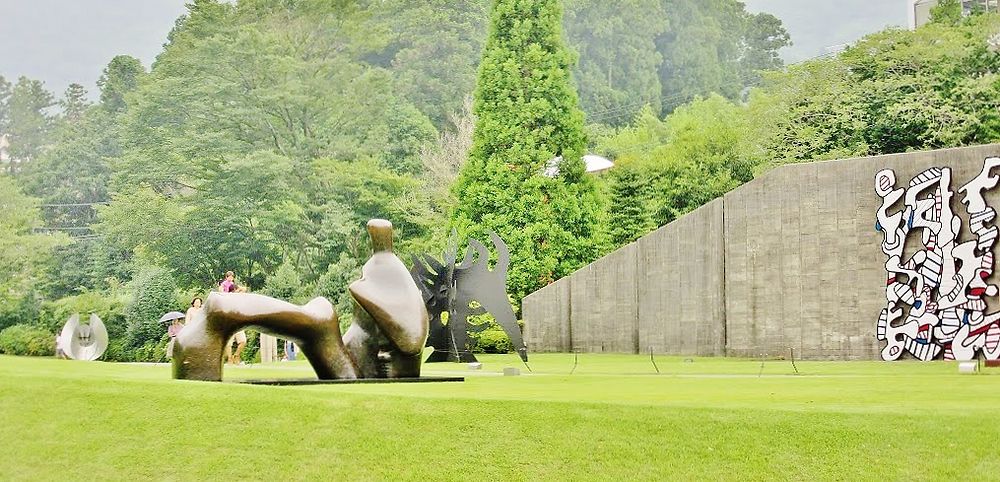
(65, 41)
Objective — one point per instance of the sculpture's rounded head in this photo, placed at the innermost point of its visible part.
(380, 230)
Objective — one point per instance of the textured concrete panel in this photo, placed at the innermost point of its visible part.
(604, 311)
(681, 302)
(547, 318)
(804, 267)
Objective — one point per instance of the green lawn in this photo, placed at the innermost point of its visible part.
(613, 418)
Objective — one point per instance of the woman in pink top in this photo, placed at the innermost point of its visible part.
(228, 285)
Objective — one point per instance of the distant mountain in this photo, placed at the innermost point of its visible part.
(817, 24)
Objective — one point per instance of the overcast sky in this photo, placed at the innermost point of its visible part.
(817, 24)
(64, 41)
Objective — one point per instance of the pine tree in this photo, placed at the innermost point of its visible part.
(28, 124)
(528, 114)
(629, 217)
(74, 102)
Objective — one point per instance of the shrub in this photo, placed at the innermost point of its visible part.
(18, 309)
(117, 351)
(27, 340)
(154, 296)
(491, 341)
(153, 351)
(252, 349)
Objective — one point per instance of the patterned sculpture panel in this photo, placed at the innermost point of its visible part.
(936, 290)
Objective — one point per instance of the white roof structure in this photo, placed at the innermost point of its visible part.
(595, 164)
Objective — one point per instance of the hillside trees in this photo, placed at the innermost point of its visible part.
(715, 46)
(27, 122)
(23, 254)
(616, 74)
(894, 91)
(432, 49)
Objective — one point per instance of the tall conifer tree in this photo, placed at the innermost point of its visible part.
(528, 114)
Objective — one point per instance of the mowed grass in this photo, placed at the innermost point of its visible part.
(614, 418)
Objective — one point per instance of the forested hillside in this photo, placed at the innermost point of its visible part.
(268, 131)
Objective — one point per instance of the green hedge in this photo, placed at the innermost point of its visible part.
(491, 341)
(27, 340)
(110, 307)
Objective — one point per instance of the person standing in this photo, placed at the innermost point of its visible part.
(192, 310)
(228, 285)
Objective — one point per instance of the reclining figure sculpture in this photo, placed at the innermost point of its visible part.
(385, 340)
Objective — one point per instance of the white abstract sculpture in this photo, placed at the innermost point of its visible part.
(84, 342)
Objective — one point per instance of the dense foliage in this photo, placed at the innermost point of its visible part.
(894, 91)
(27, 340)
(268, 132)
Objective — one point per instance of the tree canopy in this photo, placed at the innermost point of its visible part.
(268, 132)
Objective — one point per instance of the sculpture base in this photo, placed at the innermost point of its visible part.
(449, 356)
(314, 381)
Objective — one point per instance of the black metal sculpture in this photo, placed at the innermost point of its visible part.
(450, 288)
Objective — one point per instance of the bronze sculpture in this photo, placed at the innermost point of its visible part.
(385, 340)
(390, 321)
(450, 288)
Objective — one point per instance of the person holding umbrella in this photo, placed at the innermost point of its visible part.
(176, 325)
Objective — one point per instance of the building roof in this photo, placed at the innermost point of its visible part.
(594, 163)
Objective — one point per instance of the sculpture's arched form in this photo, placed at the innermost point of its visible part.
(84, 342)
(313, 327)
(390, 319)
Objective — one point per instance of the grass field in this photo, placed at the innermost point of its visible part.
(613, 418)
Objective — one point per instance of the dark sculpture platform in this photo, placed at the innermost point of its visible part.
(315, 381)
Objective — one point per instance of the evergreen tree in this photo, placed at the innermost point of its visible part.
(74, 103)
(28, 122)
(628, 213)
(120, 77)
(527, 114)
(5, 88)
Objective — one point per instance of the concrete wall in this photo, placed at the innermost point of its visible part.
(804, 267)
(604, 307)
(789, 261)
(664, 291)
(548, 309)
(681, 290)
